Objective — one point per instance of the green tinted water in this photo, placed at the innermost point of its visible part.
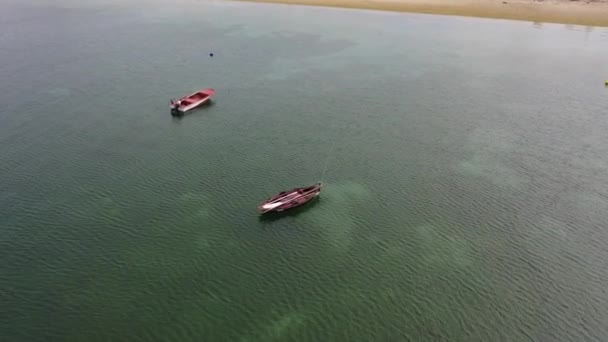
(466, 200)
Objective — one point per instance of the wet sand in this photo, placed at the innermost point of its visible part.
(589, 13)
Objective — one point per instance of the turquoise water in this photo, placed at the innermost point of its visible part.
(467, 197)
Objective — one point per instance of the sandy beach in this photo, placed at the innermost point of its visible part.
(588, 13)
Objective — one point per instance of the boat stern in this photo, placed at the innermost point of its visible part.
(174, 107)
(268, 207)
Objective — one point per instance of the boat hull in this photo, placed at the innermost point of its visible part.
(190, 102)
(290, 199)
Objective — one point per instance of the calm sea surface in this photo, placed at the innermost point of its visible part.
(467, 186)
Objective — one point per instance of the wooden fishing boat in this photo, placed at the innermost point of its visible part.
(290, 199)
(189, 102)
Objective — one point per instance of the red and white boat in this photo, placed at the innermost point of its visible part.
(189, 102)
(290, 199)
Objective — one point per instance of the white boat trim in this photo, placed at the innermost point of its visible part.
(194, 105)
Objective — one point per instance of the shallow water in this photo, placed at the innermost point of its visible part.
(466, 200)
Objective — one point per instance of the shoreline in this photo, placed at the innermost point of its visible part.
(585, 13)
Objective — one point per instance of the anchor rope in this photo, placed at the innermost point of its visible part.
(333, 144)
